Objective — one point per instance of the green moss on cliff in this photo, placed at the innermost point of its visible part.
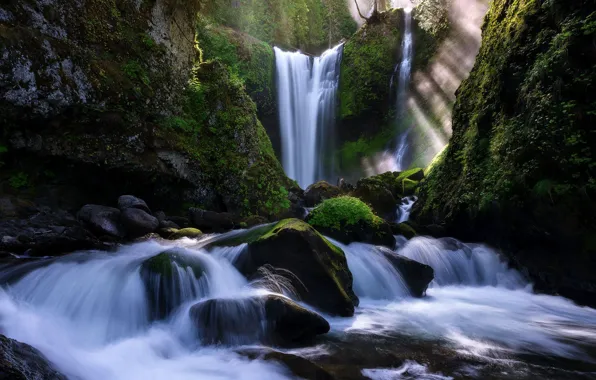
(521, 165)
(252, 60)
(367, 65)
(230, 144)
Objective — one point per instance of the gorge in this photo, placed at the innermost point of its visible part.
(313, 189)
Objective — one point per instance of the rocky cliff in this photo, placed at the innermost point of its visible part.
(104, 97)
(519, 170)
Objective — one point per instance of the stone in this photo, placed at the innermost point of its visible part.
(416, 275)
(138, 222)
(210, 220)
(20, 361)
(269, 319)
(318, 192)
(130, 201)
(102, 220)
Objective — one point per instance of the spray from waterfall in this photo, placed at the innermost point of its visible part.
(307, 94)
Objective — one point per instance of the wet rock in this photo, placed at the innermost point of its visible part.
(167, 224)
(161, 275)
(102, 220)
(130, 201)
(416, 275)
(403, 229)
(181, 221)
(318, 192)
(299, 366)
(316, 269)
(210, 220)
(375, 193)
(255, 220)
(191, 233)
(266, 319)
(19, 361)
(138, 222)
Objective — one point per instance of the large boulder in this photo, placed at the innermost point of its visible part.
(166, 278)
(138, 222)
(348, 219)
(268, 319)
(19, 361)
(102, 220)
(211, 221)
(416, 275)
(130, 201)
(318, 192)
(317, 270)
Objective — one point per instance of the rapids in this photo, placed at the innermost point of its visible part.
(88, 313)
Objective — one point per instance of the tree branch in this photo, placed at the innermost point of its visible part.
(358, 8)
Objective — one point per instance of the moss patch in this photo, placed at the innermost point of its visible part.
(342, 211)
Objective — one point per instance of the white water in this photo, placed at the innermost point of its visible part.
(307, 95)
(88, 313)
(405, 208)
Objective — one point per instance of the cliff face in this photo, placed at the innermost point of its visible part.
(104, 97)
(519, 170)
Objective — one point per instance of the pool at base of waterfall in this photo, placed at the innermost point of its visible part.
(88, 313)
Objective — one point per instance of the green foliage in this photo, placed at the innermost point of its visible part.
(135, 72)
(353, 151)
(523, 123)
(341, 211)
(305, 24)
(250, 60)
(19, 180)
(367, 66)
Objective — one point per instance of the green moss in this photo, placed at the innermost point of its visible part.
(404, 230)
(19, 180)
(337, 212)
(191, 233)
(367, 66)
(163, 264)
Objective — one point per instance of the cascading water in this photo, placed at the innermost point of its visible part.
(89, 313)
(405, 69)
(307, 94)
(405, 208)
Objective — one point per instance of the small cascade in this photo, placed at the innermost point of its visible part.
(405, 208)
(456, 263)
(307, 94)
(374, 276)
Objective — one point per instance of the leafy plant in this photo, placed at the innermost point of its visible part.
(19, 180)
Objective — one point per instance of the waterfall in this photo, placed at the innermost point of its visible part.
(307, 95)
(405, 69)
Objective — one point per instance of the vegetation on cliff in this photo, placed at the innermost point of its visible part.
(520, 166)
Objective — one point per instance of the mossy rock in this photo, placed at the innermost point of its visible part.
(191, 233)
(319, 191)
(377, 192)
(320, 274)
(348, 220)
(161, 275)
(403, 229)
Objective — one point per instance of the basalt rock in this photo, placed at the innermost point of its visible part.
(19, 361)
(318, 192)
(130, 201)
(102, 220)
(298, 365)
(138, 222)
(316, 269)
(267, 319)
(211, 221)
(416, 275)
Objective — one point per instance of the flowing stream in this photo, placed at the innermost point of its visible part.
(307, 95)
(88, 312)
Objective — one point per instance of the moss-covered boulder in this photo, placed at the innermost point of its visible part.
(348, 220)
(319, 270)
(167, 277)
(519, 170)
(319, 191)
(403, 229)
(269, 319)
